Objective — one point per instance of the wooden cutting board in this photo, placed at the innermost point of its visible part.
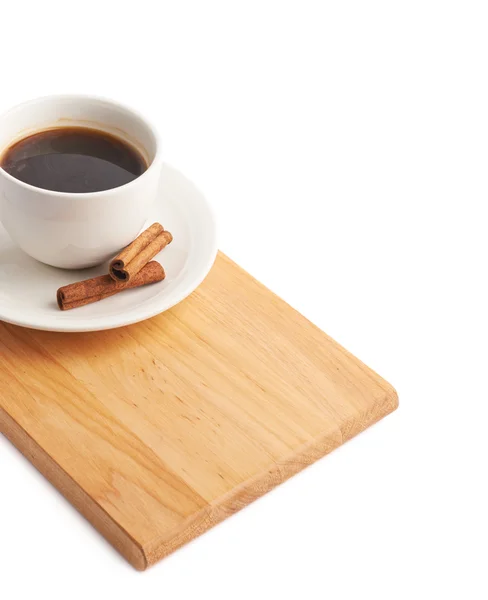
(158, 431)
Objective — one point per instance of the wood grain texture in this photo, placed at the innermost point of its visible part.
(158, 431)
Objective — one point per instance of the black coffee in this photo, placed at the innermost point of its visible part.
(73, 159)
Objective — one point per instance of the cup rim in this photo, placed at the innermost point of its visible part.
(83, 195)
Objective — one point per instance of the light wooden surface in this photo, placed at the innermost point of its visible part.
(160, 430)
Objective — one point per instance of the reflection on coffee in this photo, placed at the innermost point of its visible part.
(74, 160)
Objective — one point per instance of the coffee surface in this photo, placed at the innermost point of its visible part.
(73, 159)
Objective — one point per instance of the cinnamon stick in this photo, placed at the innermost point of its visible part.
(98, 288)
(137, 254)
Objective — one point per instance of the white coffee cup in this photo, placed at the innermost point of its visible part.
(74, 231)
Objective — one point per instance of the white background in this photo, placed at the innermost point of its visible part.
(344, 145)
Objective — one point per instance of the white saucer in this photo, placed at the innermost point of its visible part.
(28, 288)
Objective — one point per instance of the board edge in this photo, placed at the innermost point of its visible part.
(63, 482)
(253, 489)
